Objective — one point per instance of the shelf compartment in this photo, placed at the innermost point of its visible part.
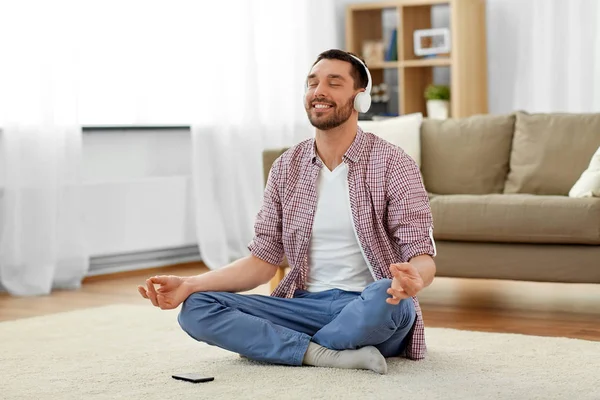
(414, 81)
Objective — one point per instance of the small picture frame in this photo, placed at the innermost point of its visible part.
(373, 51)
(428, 42)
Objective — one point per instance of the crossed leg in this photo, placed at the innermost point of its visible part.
(300, 330)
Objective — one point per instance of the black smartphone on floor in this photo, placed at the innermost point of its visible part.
(193, 377)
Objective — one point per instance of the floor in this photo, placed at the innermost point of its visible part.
(531, 308)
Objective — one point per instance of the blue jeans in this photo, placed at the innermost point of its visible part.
(278, 330)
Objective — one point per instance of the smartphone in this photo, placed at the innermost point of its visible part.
(193, 377)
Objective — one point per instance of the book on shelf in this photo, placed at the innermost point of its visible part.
(392, 51)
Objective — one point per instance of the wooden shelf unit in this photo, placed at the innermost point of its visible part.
(467, 61)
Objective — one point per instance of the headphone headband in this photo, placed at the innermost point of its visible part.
(369, 85)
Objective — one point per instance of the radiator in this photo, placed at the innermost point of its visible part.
(112, 263)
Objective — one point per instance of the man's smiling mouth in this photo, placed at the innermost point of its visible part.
(322, 106)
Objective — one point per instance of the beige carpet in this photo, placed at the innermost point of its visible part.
(130, 352)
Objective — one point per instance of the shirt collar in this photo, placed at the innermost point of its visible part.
(354, 151)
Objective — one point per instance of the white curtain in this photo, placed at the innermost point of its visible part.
(254, 90)
(41, 241)
(544, 55)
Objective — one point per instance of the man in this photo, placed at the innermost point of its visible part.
(350, 212)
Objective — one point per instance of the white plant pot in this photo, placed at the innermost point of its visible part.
(438, 109)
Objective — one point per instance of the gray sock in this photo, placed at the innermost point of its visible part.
(367, 357)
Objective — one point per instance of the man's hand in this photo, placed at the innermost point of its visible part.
(407, 282)
(171, 292)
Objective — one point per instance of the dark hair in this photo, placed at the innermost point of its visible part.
(357, 72)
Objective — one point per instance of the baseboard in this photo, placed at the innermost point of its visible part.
(114, 263)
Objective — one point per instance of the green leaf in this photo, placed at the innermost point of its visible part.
(437, 92)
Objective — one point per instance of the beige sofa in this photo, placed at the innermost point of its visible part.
(499, 188)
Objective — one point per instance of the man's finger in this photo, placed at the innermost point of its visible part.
(142, 291)
(395, 272)
(394, 292)
(404, 267)
(150, 285)
(399, 294)
(163, 303)
(159, 280)
(151, 292)
(160, 299)
(392, 300)
(409, 285)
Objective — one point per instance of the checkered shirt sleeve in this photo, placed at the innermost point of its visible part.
(267, 242)
(409, 213)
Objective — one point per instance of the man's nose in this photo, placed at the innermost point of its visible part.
(320, 91)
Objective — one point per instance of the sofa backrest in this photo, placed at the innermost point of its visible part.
(269, 156)
(551, 151)
(466, 155)
(514, 153)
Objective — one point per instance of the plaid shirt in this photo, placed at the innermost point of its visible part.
(390, 211)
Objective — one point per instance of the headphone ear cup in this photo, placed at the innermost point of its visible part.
(362, 102)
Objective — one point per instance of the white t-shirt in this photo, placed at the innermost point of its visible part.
(336, 260)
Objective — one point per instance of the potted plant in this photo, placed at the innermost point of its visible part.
(438, 101)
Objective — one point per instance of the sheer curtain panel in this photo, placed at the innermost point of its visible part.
(544, 55)
(41, 218)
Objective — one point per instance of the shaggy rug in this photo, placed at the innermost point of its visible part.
(131, 351)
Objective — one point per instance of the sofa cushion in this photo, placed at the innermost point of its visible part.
(588, 184)
(403, 131)
(551, 151)
(466, 155)
(516, 218)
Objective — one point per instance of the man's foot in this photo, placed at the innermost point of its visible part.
(367, 357)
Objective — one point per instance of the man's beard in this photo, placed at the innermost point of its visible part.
(337, 118)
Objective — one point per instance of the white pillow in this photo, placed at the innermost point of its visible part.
(588, 184)
(403, 131)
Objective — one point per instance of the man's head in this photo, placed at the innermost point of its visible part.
(332, 83)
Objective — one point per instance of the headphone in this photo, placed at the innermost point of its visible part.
(362, 101)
